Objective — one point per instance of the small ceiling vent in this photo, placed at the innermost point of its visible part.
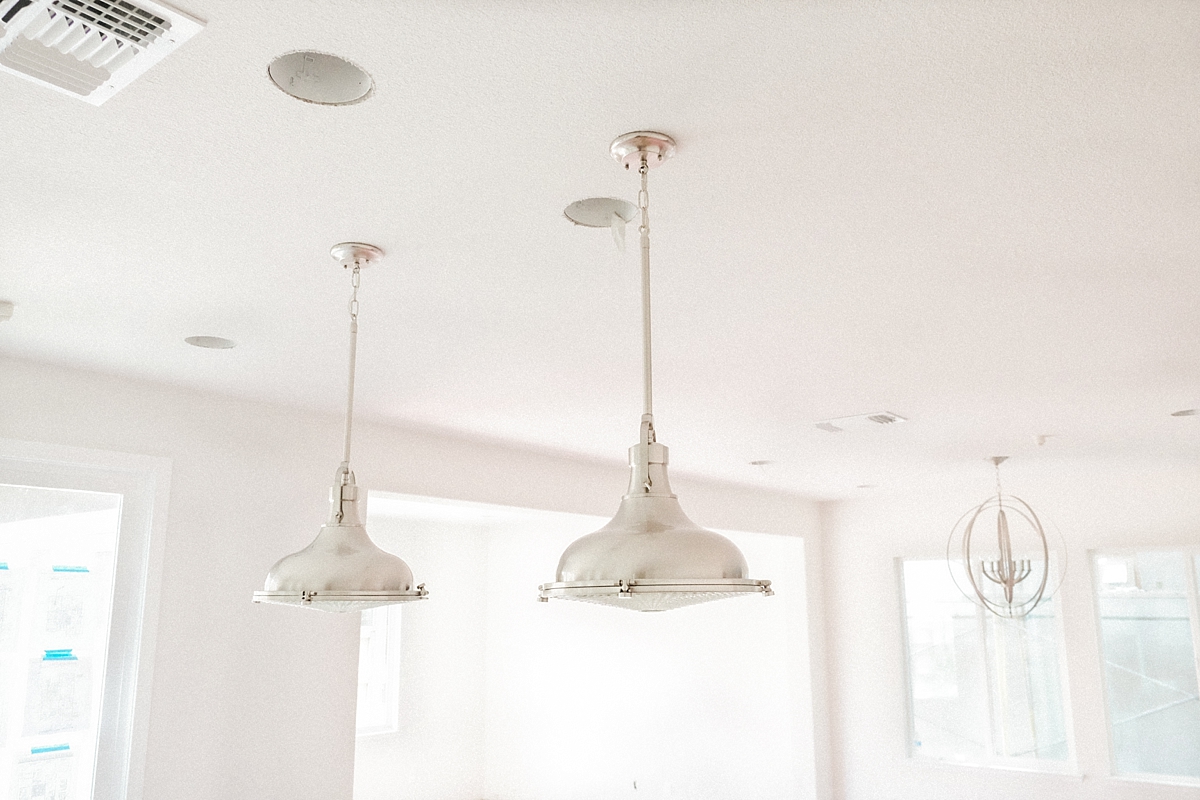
(90, 49)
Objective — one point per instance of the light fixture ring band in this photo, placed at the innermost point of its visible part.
(340, 600)
(645, 585)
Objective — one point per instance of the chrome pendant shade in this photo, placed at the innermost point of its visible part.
(343, 570)
(650, 557)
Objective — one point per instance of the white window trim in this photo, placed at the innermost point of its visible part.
(145, 483)
(1067, 768)
(1190, 552)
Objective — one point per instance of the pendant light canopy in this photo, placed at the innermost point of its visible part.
(650, 557)
(1018, 569)
(343, 570)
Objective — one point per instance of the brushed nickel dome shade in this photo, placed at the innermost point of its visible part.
(650, 556)
(342, 569)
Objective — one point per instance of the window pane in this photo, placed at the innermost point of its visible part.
(378, 670)
(1149, 663)
(982, 688)
(1024, 684)
(56, 575)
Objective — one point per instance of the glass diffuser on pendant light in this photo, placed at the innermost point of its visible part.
(1013, 572)
(650, 557)
(343, 570)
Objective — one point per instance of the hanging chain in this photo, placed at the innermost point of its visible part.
(999, 493)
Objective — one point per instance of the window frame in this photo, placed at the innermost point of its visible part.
(1190, 554)
(1068, 766)
(144, 483)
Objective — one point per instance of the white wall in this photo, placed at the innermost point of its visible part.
(1096, 505)
(699, 704)
(506, 698)
(258, 701)
(438, 751)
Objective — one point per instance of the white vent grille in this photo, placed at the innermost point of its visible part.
(125, 20)
(88, 48)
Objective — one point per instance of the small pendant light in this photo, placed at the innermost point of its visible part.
(343, 570)
(1010, 574)
(650, 557)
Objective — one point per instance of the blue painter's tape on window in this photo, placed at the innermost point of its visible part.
(51, 748)
(59, 655)
(69, 569)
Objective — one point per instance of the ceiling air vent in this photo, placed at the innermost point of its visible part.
(90, 49)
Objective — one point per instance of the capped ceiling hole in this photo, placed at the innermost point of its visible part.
(839, 424)
(320, 78)
(211, 342)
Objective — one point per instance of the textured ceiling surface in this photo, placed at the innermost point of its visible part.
(981, 216)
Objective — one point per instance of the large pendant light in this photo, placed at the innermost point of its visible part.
(1012, 573)
(650, 557)
(343, 570)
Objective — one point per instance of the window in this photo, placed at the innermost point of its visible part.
(77, 596)
(982, 690)
(379, 671)
(57, 551)
(1148, 627)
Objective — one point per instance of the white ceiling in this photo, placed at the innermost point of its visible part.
(981, 216)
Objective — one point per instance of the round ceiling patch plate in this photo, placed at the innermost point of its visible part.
(597, 212)
(320, 78)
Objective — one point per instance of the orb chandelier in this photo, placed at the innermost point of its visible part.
(343, 570)
(650, 557)
(1012, 573)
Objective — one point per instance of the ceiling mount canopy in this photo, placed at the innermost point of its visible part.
(343, 570)
(650, 557)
